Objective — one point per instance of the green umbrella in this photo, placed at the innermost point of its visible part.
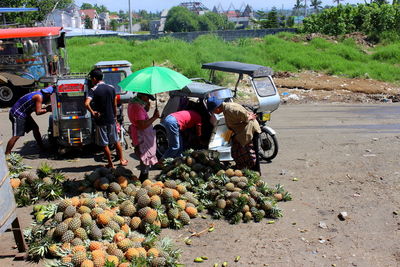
(153, 80)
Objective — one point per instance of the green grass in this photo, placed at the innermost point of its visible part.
(277, 51)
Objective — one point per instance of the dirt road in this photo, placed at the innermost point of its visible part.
(346, 158)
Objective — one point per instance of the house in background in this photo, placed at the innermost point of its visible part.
(104, 21)
(67, 18)
(93, 17)
(242, 19)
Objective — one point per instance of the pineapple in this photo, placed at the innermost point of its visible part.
(167, 194)
(221, 203)
(61, 229)
(114, 187)
(68, 236)
(114, 259)
(170, 184)
(129, 210)
(84, 209)
(230, 187)
(95, 245)
(125, 244)
(77, 242)
(151, 216)
(153, 252)
(96, 211)
(86, 220)
(74, 224)
(155, 190)
(103, 218)
(69, 212)
(173, 213)
(78, 258)
(58, 217)
(95, 232)
(181, 189)
(87, 263)
(89, 202)
(143, 201)
(141, 192)
(64, 204)
(155, 201)
(142, 212)
(158, 262)
(184, 217)
(118, 219)
(113, 197)
(113, 225)
(135, 223)
(131, 253)
(192, 212)
(81, 233)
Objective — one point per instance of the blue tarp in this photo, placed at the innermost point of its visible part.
(16, 9)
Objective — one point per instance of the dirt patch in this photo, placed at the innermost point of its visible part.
(310, 86)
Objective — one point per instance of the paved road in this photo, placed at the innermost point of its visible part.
(346, 157)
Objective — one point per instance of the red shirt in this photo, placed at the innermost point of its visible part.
(187, 119)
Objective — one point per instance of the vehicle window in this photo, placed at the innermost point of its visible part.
(222, 94)
(113, 78)
(72, 105)
(264, 86)
(10, 49)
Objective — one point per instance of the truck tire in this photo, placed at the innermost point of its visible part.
(8, 96)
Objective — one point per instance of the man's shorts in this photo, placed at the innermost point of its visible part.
(106, 135)
(20, 126)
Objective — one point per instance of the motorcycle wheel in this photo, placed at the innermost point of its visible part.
(268, 146)
(161, 141)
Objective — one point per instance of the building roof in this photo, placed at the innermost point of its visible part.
(91, 13)
(113, 16)
(16, 9)
(29, 32)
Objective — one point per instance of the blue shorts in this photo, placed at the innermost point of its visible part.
(106, 135)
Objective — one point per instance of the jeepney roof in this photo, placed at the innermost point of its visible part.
(29, 32)
(113, 63)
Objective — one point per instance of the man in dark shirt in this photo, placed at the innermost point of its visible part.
(104, 112)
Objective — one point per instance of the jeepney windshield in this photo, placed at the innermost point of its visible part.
(113, 78)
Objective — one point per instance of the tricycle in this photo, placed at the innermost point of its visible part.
(70, 124)
(216, 136)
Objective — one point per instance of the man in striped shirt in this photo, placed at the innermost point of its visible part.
(21, 119)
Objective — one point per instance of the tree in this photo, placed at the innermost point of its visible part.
(113, 25)
(100, 9)
(180, 19)
(299, 5)
(29, 18)
(88, 22)
(272, 19)
(337, 2)
(290, 21)
(316, 5)
(86, 6)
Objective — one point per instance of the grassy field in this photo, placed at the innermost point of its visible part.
(277, 51)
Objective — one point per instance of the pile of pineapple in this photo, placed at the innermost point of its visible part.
(237, 195)
(29, 186)
(90, 230)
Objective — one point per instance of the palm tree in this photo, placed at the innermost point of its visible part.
(337, 1)
(299, 4)
(316, 5)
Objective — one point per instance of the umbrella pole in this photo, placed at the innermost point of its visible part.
(156, 100)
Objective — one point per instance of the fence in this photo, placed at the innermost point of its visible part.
(228, 35)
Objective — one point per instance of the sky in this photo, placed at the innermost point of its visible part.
(153, 5)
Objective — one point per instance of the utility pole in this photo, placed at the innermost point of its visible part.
(305, 8)
(130, 16)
